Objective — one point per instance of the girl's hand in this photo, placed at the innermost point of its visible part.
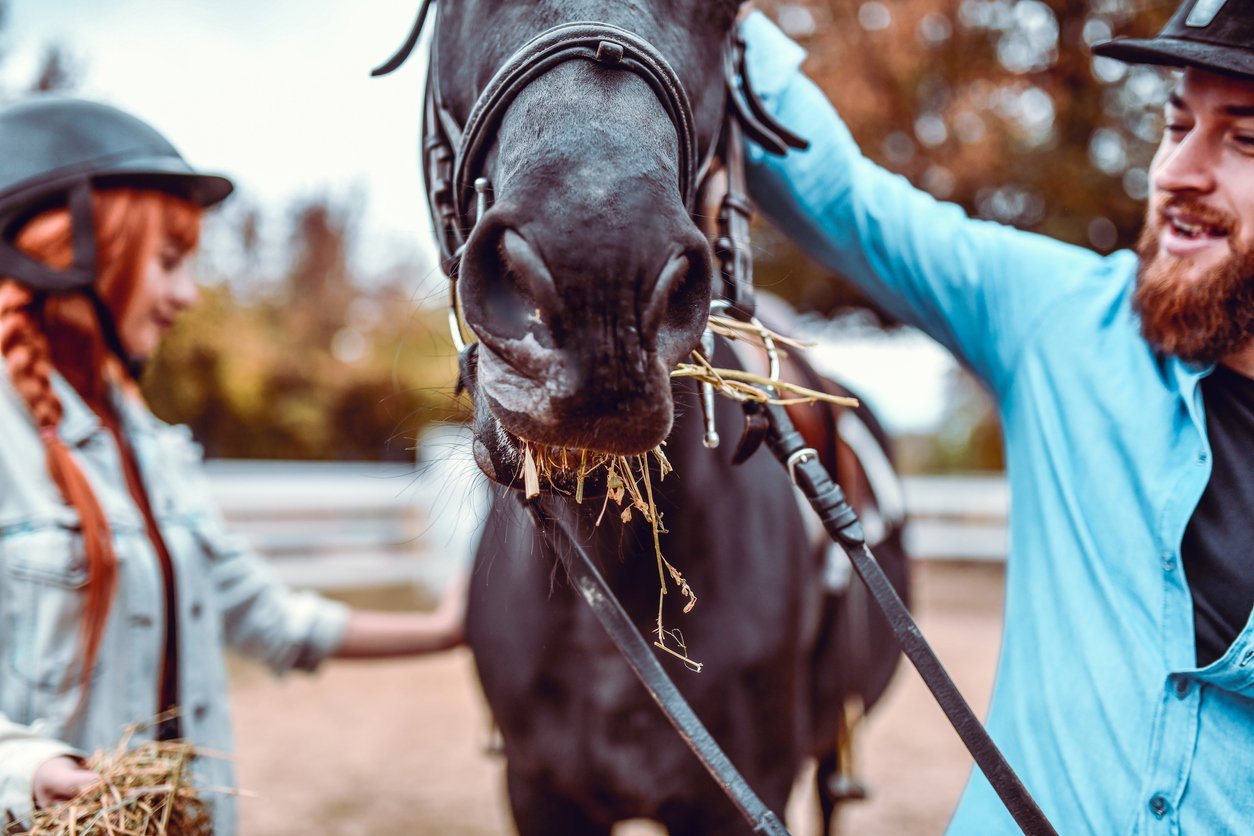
(60, 779)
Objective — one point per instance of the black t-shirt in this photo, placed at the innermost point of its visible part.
(1218, 548)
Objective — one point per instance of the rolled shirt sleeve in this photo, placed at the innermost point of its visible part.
(262, 617)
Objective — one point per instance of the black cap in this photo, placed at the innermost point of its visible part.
(1216, 35)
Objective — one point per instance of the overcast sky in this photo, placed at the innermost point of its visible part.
(277, 94)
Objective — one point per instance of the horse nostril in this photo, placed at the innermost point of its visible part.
(678, 301)
(509, 291)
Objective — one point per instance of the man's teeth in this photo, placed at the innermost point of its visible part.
(1192, 230)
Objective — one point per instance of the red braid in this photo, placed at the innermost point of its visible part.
(25, 350)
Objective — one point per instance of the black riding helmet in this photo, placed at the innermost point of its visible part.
(53, 150)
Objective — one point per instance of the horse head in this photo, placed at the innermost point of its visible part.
(583, 274)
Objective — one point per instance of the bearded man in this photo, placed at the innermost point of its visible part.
(1125, 689)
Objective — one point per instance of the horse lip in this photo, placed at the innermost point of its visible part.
(600, 435)
(511, 407)
(497, 453)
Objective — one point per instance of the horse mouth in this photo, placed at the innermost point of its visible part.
(536, 468)
(528, 440)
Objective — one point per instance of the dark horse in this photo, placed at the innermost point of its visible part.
(586, 280)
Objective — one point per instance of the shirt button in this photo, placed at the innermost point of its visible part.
(1158, 806)
(1202, 457)
(1169, 561)
(1182, 687)
(196, 609)
(200, 711)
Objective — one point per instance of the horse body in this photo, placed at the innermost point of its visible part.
(585, 279)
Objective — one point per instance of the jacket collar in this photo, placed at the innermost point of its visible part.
(78, 421)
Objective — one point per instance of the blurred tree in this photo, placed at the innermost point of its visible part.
(318, 287)
(57, 71)
(311, 366)
(969, 437)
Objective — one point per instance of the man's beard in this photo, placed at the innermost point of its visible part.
(1202, 318)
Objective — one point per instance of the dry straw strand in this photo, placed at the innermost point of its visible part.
(632, 494)
(741, 385)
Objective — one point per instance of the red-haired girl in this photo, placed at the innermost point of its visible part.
(119, 588)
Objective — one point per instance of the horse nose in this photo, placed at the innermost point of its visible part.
(508, 291)
(675, 304)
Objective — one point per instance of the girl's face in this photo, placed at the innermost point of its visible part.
(166, 288)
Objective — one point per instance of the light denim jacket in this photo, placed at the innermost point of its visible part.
(1098, 702)
(227, 596)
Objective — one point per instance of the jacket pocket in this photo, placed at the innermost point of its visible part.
(43, 571)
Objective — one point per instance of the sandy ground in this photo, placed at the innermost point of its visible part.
(399, 747)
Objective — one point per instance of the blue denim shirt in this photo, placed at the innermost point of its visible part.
(1098, 703)
(227, 596)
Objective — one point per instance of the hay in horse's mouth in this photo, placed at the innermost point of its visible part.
(746, 386)
(629, 485)
(625, 475)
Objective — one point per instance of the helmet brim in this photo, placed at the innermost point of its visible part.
(167, 175)
(1176, 52)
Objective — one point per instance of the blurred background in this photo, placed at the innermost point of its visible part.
(322, 335)
(321, 340)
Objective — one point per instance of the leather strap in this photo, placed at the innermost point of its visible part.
(842, 524)
(598, 595)
(604, 43)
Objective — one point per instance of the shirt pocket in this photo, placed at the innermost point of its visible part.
(44, 574)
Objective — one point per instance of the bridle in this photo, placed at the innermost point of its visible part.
(458, 196)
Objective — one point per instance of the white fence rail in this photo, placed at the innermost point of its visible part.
(957, 517)
(343, 525)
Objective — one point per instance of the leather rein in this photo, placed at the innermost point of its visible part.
(459, 194)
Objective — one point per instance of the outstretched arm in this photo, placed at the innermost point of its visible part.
(976, 286)
(373, 634)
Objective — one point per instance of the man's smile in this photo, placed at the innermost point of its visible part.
(1188, 231)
